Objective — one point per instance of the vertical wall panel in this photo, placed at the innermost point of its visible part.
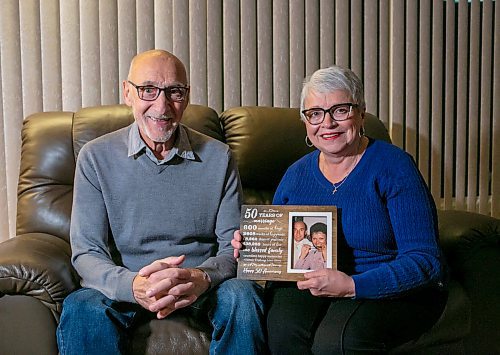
(297, 48)
(127, 35)
(437, 100)
(181, 33)
(397, 73)
(495, 175)
(370, 56)
(312, 37)
(410, 79)
(163, 21)
(264, 53)
(231, 47)
(342, 33)
(108, 47)
(326, 33)
(248, 53)
(31, 84)
(198, 51)
(281, 54)
(214, 55)
(449, 104)
(90, 55)
(424, 93)
(356, 38)
(384, 48)
(145, 27)
(461, 119)
(12, 104)
(6, 221)
(70, 55)
(473, 112)
(51, 55)
(485, 108)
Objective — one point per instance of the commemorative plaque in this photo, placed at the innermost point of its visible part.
(281, 243)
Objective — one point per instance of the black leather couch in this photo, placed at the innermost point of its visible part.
(36, 273)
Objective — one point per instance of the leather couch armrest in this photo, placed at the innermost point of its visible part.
(464, 235)
(471, 244)
(37, 265)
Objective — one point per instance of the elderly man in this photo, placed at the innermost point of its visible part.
(299, 239)
(154, 210)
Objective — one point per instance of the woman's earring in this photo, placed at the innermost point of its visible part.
(308, 142)
(361, 131)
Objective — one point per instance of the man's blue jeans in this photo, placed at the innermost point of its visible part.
(93, 324)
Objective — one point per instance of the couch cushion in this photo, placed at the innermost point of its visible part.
(448, 332)
(179, 333)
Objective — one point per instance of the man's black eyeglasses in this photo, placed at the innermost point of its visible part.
(150, 92)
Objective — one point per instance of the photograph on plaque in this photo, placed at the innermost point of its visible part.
(281, 243)
(309, 235)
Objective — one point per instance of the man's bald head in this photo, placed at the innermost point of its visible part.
(141, 60)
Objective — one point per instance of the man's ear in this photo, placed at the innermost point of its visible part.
(126, 93)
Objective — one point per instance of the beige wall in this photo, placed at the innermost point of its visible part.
(431, 70)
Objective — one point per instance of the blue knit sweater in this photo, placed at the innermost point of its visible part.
(387, 219)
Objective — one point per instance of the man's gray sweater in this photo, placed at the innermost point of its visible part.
(128, 211)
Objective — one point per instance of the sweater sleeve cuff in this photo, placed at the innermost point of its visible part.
(124, 290)
(214, 276)
(219, 269)
(365, 286)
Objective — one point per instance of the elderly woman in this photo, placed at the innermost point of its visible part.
(388, 288)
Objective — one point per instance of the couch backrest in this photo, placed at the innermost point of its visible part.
(92, 122)
(50, 144)
(265, 141)
(45, 186)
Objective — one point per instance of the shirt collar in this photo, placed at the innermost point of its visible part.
(182, 146)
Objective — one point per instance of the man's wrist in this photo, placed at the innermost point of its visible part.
(203, 275)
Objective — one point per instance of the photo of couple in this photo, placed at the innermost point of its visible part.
(308, 242)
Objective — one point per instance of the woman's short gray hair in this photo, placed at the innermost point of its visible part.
(332, 79)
